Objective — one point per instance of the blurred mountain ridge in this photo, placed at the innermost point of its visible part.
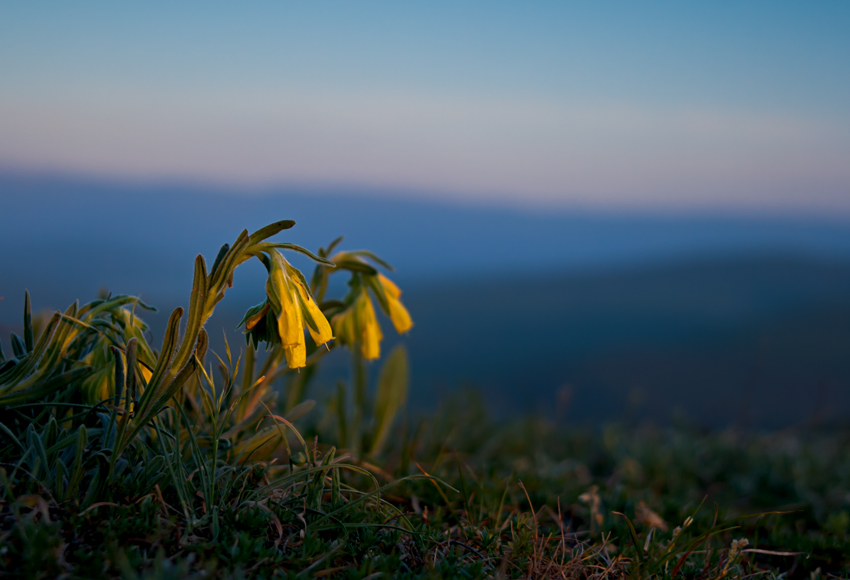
(703, 336)
(723, 318)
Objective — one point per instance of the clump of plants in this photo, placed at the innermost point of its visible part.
(118, 459)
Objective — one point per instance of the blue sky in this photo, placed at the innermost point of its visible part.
(668, 105)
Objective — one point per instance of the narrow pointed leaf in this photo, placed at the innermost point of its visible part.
(27, 322)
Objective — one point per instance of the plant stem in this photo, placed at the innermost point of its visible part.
(358, 380)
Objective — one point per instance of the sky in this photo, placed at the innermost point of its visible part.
(664, 105)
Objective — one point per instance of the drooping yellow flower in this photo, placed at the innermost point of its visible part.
(290, 328)
(398, 314)
(371, 335)
(359, 325)
(294, 308)
(317, 324)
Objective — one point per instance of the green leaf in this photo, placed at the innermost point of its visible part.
(332, 246)
(119, 374)
(131, 373)
(197, 314)
(222, 252)
(233, 257)
(264, 437)
(373, 257)
(270, 230)
(248, 371)
(300, 410)
(39, 456)
(46, 387)
(19, 371)
(11, 436)
(390, 396)
(317, 486)
(163, 363)
(342, 420)
(305, 251)
(635, 537)
(19, 349)
(354, 265)
(147, 414)
(27, 322)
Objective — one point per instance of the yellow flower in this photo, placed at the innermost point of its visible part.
(294, 308)
(358, 324)
(398, 314)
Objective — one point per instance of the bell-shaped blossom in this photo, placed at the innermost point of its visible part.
(289, 308)
(358, 325)
(398, 314)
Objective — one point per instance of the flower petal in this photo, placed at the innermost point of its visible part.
(290, 325)
(368, 327)
(389, 286)
(322, 333)
(399, 315)
(296, 355)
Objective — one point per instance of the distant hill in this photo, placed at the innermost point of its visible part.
(761, 339)
(139, 237)
(725, 318)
